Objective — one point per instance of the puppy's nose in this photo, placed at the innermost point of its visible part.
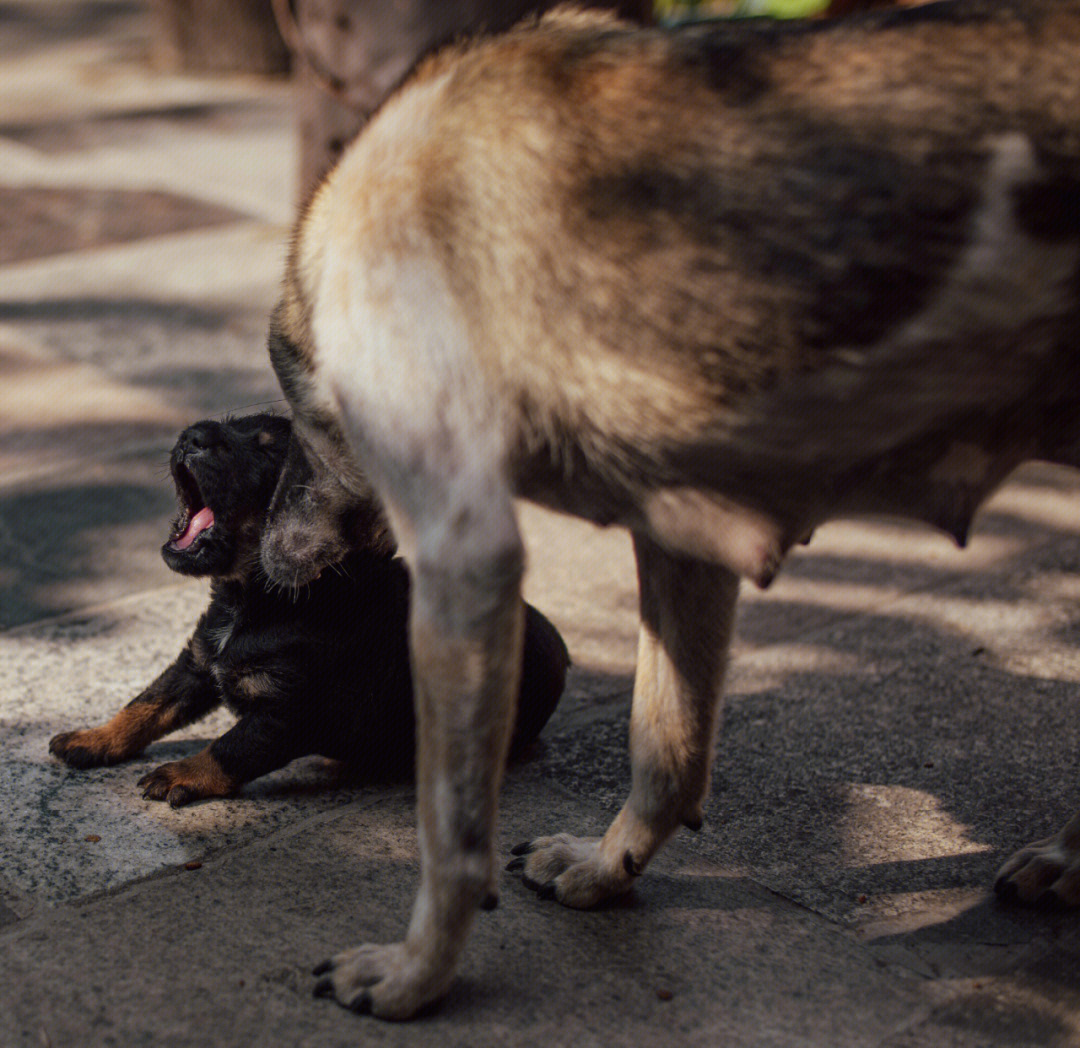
(202, 436)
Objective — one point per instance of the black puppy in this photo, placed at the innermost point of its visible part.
(323, 669)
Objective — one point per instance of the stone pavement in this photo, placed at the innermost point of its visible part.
(901, 715)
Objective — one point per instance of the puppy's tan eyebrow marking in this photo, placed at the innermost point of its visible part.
(265, 438)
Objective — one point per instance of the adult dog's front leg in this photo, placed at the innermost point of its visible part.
(466, 632)
(687, 609)
(1046, 871)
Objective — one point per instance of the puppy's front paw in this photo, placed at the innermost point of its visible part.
(193, 778)
(1046, 871)
(389, 981)
(572, 870)
(88, 748)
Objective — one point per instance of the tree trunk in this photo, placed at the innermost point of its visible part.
(354, 52)
(212, 36)
(843, 7)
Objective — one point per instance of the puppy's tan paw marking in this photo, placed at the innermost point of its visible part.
(181, 782)
(389, 981)
(572, 870)
(1046, 871)
(89, 748)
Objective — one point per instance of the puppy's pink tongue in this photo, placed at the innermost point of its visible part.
(199, 523)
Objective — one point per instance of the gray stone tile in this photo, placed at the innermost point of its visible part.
(738, 966)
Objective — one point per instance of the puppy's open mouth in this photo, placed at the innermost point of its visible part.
(196, 517)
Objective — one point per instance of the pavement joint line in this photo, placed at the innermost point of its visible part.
(96, 609)
(921, 1015)
(45, 913)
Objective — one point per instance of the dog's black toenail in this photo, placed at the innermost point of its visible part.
(489, 902)
(322, 969)
(362, 1004)
(631, 867)
(694, 825)
(516, 864)
(533, 886)
(1006, 890)
(522, 849)
(323, 988)
(546, 891)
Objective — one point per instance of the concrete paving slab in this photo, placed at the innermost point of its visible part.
(71, 541)
(902, 714)
(881, 767)
(65, 834)
(683, 962)
(67, 219)
(54, 410)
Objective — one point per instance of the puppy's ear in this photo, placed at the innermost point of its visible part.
(315, 521)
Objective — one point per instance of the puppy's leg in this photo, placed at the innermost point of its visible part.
(256, 745)
(1047, 870)
(182, 694)
(687, 611)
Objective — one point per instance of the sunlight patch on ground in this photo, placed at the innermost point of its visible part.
(890, 824)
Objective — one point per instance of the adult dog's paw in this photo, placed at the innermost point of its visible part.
(572, 870)
(88, 748)
(390, 981)
(1046, 871)
(192, 779)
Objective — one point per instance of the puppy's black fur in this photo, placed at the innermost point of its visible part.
(324, 669)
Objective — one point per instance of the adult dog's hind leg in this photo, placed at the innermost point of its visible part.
(422, 423)
(466, 634)
(687, 612)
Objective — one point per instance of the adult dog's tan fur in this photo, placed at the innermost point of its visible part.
(714, 285)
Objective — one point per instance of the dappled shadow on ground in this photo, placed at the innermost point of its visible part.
(25, 25)
(64, 545)
(36, 221)
(896, 740)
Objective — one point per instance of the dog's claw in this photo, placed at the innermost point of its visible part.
(573, 871)
(323, 988)
(524, 848)
(362, 1004)
(323, 968)
(1005, 890)
(178, 796)
(516, 864)
(489, 902)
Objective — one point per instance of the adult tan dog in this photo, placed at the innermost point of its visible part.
(715, 285)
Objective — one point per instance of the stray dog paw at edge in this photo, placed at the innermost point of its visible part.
(1047, 871)
(571, 870)
(389, 981)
